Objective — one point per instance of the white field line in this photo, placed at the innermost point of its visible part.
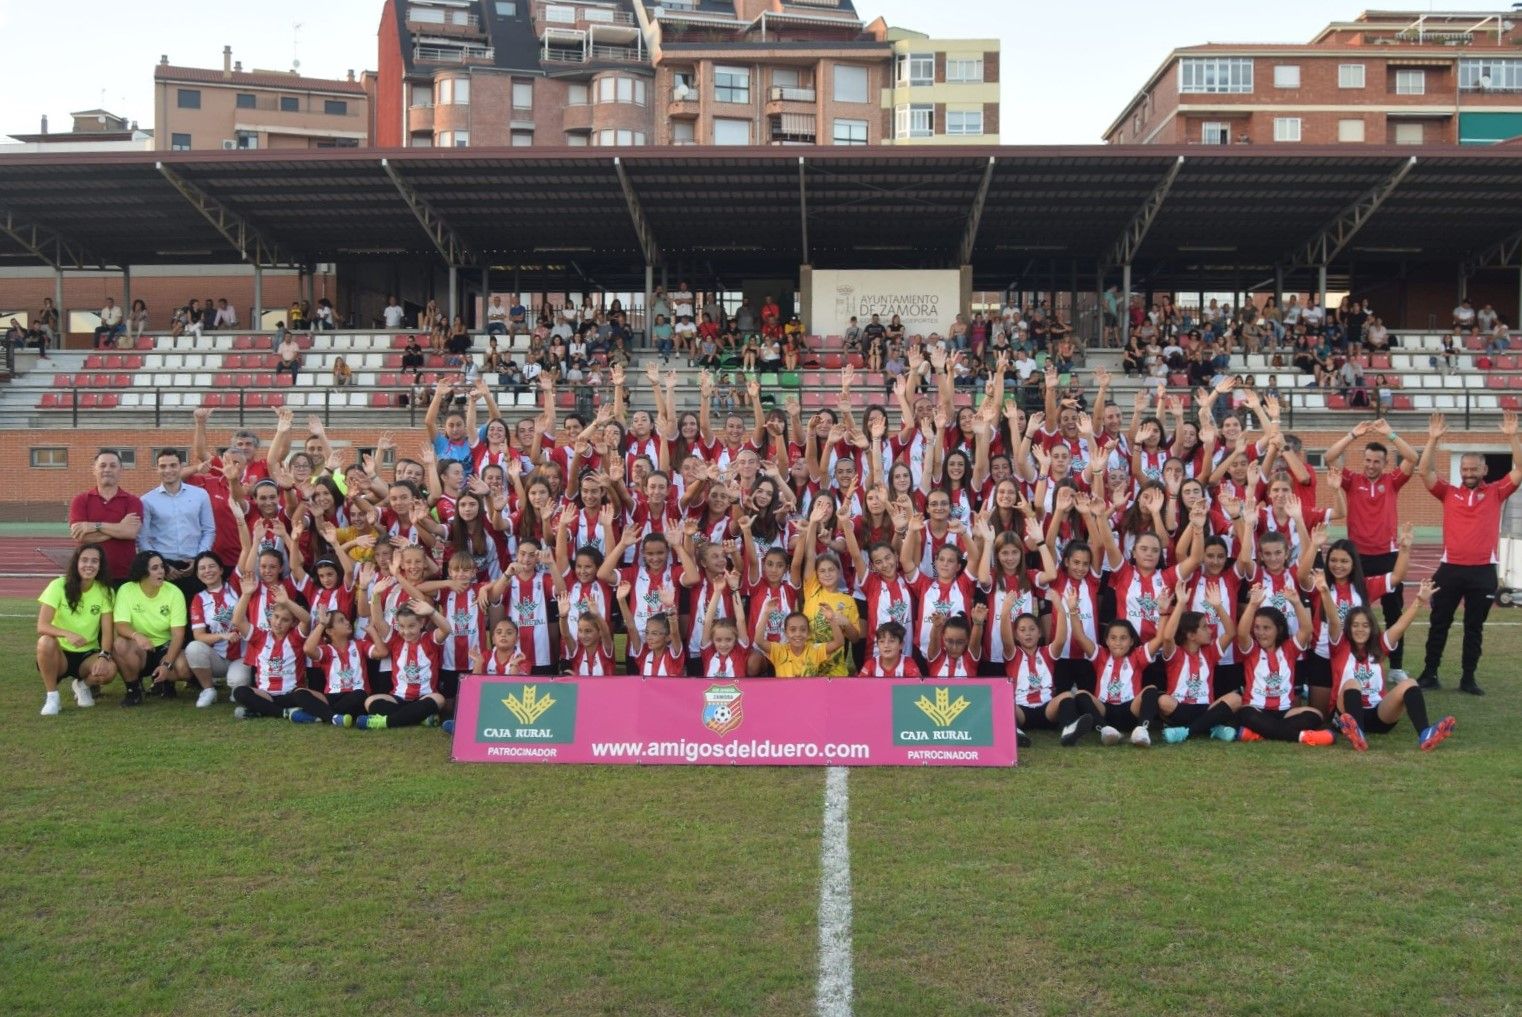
(833, 996)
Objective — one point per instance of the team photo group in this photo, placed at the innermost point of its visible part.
(1164, 565)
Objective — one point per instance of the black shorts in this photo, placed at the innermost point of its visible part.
(1372, 724)
(1035, 718)
(1118, 716)
(1075, 675)
(449, 683)
(1314, 670)
(77, 665)
(381, 682)
(1184, 714)
(1229, 678)
(1156, 675)
(986, 668)
(154, 659)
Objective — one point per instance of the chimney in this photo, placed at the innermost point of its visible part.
(163, 59)
(238, 66)
(351, 74)
(44, 123)
(227, 61)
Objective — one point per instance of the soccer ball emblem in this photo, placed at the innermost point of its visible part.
(722, 715)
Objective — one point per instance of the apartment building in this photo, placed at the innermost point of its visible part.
(231, 108)
(680, 72)
(94, 130)
(1386, 77)
(943, 91)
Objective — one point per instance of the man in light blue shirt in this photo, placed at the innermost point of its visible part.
(177, 523)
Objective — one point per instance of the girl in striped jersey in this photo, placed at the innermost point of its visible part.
(268, 589)
(465, 601)
(725, 652)
(527, 596)
(267, 683)
(1270, 652)
(1002, 575)
(772, 587)
(503, 658)
(889, 592)
(340, 659)
(415, 658)
(657, 651)
(1074, 671)
(1192, 649)
(578, 582)
(1358, 668)
(214, 645)
(1216, 575)
(708, 596)
(589, 653)
(1120, 702)
(890, 660)
(955, 643)
(1032, 668)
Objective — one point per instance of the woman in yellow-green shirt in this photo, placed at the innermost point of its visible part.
(74, 629)
(150, 621)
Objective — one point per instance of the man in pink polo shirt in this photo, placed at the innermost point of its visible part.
(1373, 521)
(1471, 532)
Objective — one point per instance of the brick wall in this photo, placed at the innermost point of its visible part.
(40, 495)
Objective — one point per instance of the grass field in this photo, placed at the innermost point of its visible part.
(173, 861)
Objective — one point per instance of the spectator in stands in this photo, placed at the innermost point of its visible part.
(290, 358)
(1486, 318)
(1350, 382)
(517, 316)
(110, 325)
(459, 342)
(745, 317)
(326, 321)
(1500, 337)
(107, 515)
(686, 334)
(496, 316)
(393, 313)
(227, 316)
(177, 523)
(1463, 315)
(492, 363)
(412, 358)
(45, 326)
(1375, 335)
(342, 373)
(75, 631)
(662, 333)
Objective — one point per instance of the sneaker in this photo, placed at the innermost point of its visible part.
(50, 705)
(1399, 675)
(1249, 735)
(433, 721)
(241, 713)
(1224, 733)
(1109, 736)
(134, 696)
(166, 690)
(1317, 738)
(1433, 736)
(1174, 735)
(371, 722)
(300, 716)
(1141, 737)
(1352, 732)
(1428, 681)
(448, 726)
(1022, 739)
(205, 698)
(82, 694)
(1077, 729)
(1471, 687)
(343, 720)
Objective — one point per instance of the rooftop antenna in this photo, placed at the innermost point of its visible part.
(296, 46)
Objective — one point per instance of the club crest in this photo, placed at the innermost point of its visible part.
(721, 708)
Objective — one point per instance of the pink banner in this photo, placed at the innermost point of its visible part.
(749, 721)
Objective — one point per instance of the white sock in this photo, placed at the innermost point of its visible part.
(52, 695)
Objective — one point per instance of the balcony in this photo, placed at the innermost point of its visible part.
(792, 129)
(459, 25)
(560, 54)
(686, 106)
(782, 99)
(453, 54)
(419, 119)
(610, 24)
(577, 117)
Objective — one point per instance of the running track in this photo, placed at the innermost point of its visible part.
(28, 563)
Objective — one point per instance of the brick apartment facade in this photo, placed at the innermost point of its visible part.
(1385, 78)
(200, 108)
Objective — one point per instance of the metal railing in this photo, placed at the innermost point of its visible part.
(591, 15)
(787, 93)
(452, 54)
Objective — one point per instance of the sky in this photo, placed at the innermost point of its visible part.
(1068, 68)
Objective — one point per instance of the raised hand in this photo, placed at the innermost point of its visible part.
(1426, 591)
(1407, 535)
(1437, 426)
(622, 593)
(1258, 595)
(1508, 423)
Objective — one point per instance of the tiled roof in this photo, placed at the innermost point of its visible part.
(205, 75)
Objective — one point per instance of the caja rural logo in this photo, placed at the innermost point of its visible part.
(522, 712)
(942, 714)
(721, 708)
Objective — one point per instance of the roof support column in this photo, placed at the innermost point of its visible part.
(649, 300)
(1321, 284)
(1334, 237)
(454, 294)
(127, 294)
(975, 215)
(253, 245)
(256, 313)
(63, 317)
(1279, 288)
(1125, 302)
(448, 243)
(803, 207)
(642, 230)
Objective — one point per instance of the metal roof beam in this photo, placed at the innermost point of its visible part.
(1136, 230)
(975, 214)
(47, 245)
(248, 241)
(803, 208)
(1333, 238)
(1498, 255)
(647, 243)
(446, 240)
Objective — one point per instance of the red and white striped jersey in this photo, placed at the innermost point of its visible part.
(931, 545)
(1346, 598)
(277, 664)
(699, 596)
(415, 665)
(593, 663)
(1271, 675)
(1032, 673)
(211, 612)
(1366, 671)
(1282, 587)
(594, 597)
(888, 600)
(669, 664)
(261, 603)
(466, 613)
(1226, 585)
(345, 669)
(526, 604)
(1027, 601)
(1088, 610)
(1190, 674)
(905, 668)
(1118, 679)
(725, 665)
(645, 592)
(963, 665)
(338, 600)
(785, 600)
(1136, 596)
(938, 598)
(496, 664)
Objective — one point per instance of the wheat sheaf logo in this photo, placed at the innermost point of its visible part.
(530, 708)
(943, 711)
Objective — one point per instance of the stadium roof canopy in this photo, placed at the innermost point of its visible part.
(1172, 212)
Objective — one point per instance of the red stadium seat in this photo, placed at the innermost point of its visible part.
(121, 381)
(109, 401)
(274, 399)
(1336, 401)
(1381, 361)
(832, 362)
(63, 381)
(51, 400)
(856, 360)
(232, 361)
(89, 400)
(243, 342)
(1178, 380)
(284, 380)
(93, 362)
(392, 360)
(1495, 381)
(399, 342)
(1506, 362)
(1474, 342)
(134, 362)
(1402, 402)
(1510, 402)
(244, 381)
(1516, 381)
(565, 400)
(144, 344)
(389, 380)
(383, 398)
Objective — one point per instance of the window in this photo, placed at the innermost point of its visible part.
(1350, 75)
(914, 121)
(731, 84)
(454, 139)
(964, 122)
(246, 100)
(1286, 128)
(683, 132)
(1215, 132)
(188, 98)
(1215, 74)
(626, 138)
(916, 69)
(421, 95)
(290, 104)
(335, 107)
(50, 457)
(128, 456)
(785, 77)
(1409, 134)
(1350, 130)
(560, 14)
(575, 139)
(576, 95)
(1490, 75)
(523, 139)
(850, 83)
(626, 90)
(179, 142)
(1411, 82)
(1287, 76)
(454, 92)
(964, 69)
(850, 132)
(506, 9)
(425, 15)
(731, 132)
(247, 139)
(523, 95)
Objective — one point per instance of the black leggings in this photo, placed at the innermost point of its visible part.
(1199, 719)
(275, 706)
(1351, 703)
(1119, 715)
(404, 714)
(1035, 716)
(338, 703)
(1276, 725)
